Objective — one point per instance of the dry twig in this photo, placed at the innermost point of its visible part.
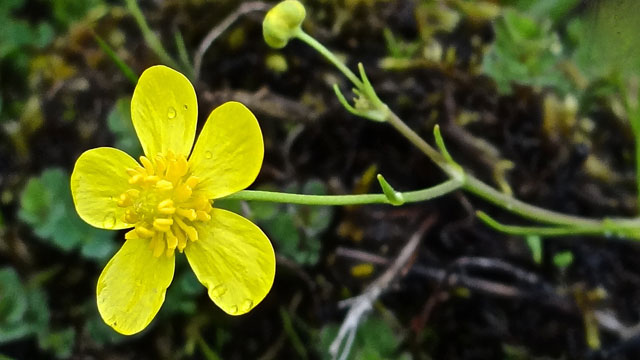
(361, 305)
(242, 10)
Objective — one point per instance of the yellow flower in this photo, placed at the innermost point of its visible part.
(165, 199)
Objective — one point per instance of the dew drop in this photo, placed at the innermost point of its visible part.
(246, 305)
(218, 291)
(233, 309)
(171, 113)
(109, 221)
(208, 154)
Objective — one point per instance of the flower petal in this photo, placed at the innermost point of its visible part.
(132, 286)
(229, 151)
(164, 110)
(98, 179)
(234, 259)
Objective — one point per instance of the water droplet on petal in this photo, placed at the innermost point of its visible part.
(109, 221)
(246, 305)
(218, 291)
(233, 309)
(208, 154)
(171, 113)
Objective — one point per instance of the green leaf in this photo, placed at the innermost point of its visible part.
(37, 314)
(229, 204)
(563, 259)
(264, 210)
(375, 339)
(23, 312)
(182, 294)
(526, 51)
(100, 332)
(46, 205)
(317, 218)
(14, 35)
(296, 230)
(43, 35)
(59, 342)
(282, 229)
(66, 12)
(609, 38)
(13, 298)
(535, 245)
(6, 6)
(99, 247)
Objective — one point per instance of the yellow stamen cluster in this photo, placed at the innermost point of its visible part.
(163, 203)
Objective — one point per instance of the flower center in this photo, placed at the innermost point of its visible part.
(163, 204)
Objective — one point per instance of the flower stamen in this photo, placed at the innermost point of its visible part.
(163, 203)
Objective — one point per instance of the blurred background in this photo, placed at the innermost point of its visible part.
(536, 97)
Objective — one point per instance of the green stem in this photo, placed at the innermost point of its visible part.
(477, 187)
(637, 144)
(329, 56)
(124, 68)
(149, 37)
(633, 114)
(541, 230)
(409, 196)
(523, 209)
(469, 182)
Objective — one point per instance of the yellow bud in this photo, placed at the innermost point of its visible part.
(282, 22)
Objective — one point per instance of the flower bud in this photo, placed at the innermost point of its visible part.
(281, 23)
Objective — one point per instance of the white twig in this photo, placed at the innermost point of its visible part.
(361, 305)
(222, 27)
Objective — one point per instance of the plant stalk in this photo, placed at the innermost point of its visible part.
(408, 197)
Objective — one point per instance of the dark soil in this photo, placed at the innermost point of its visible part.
(544, 318)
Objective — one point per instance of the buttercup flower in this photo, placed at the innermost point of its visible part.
(166, 201)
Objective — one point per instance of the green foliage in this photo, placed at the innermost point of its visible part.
(119, 122)
(602, 43)
(18, 39)
(46, 205)
(65, 12)
(295, 229)
(563, 259)
(182, 294)
(535, 245)
(375, 340)
(24, 312)
(544, 9)
(18, 33)
(21, 38)
(526, 51)
(607, 38)
(13, 306)
(100, 332)
(397, 48)
(59, 342)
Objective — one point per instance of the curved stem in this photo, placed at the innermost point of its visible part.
(469, 182)
(149, 37)
(409, 196)
(479, 188)
(329, 56)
